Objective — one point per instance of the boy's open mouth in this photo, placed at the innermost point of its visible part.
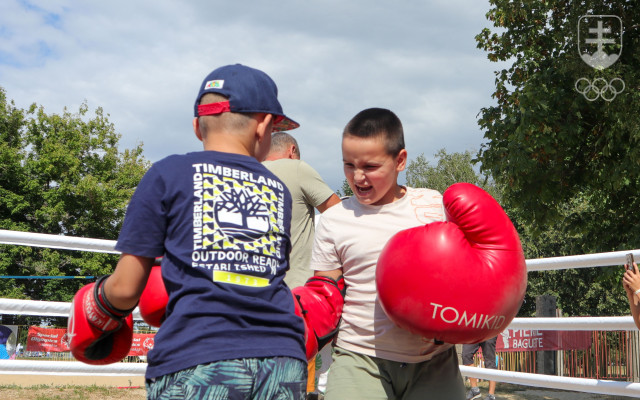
(364, 189)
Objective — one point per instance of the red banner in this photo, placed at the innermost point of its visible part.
(533, 340)
(55, 340)
(46, 339)
(142, 343)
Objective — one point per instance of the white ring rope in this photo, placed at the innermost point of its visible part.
(22, 367)
(42, 308)
(61, 309)
(107, 246)
(581, 261)
(575, 324)
(26, 367)
(35, 307)
(49, 308)
(600, 386)
(57, 241)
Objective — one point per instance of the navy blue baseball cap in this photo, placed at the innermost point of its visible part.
(248, 90)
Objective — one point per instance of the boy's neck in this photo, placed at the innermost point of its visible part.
(227, 148)
(400, 191)
(227, 143)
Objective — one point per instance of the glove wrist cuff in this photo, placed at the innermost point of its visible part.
(100, 312)
(104, 302)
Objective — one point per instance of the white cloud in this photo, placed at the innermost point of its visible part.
(142, 62)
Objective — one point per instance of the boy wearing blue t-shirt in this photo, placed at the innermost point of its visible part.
(221, 222)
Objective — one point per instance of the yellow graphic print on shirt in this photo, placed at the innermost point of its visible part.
(236, 228)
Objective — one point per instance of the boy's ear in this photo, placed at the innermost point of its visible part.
(265, 126)
(196, 128)
(401, 160)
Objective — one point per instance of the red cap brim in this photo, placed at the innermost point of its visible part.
(280, 123)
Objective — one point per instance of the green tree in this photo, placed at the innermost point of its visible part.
(345, 190)
(545, 141)
(450, 168)
(579, 292)
(569, 167)
(60, 174)
(589, 291)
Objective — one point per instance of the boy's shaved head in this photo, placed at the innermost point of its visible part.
(378, 122)
(229, 121)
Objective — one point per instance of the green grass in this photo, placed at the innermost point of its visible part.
(66, 392)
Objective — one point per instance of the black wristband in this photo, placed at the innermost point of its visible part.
(103, 302)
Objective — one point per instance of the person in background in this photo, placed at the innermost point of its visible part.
(631, 284)
(309, 193)
(5, 332)
(489, 354)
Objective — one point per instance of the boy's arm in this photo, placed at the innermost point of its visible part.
(124, 287)
(319, 303)
(100, 326)
(333, 274)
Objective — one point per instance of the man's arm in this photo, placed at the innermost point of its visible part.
(330, 202)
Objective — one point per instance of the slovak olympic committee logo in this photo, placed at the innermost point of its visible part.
(600, 46)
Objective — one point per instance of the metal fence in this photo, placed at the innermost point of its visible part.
(613, 355)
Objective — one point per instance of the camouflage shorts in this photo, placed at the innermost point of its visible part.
(278, 378)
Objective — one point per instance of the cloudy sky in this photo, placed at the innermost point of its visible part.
(142, 62)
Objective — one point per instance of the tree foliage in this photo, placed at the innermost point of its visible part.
(569, 168)
(450, 168)
(545, 141)
(588, 291)
(345, 190)
(579, 292)
(60, 174)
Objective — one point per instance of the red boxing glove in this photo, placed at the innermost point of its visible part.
(97, 332)
(310, 341)
(460, 281)
(154, 298)
(319, 302)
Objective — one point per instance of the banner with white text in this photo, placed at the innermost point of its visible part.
(55, 340)
(47, 339)
(534, 340)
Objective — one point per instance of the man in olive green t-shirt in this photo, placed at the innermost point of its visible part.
(308, 191)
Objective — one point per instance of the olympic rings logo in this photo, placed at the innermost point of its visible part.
(600, 88)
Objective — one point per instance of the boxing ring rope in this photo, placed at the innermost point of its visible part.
(107, 246)
(73, 368)
(599, 386)
(57, 241)
(574, 324)
(581, 261)
(61, 309)
(42, 308)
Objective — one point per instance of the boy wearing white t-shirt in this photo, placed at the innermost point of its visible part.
(373, 358)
